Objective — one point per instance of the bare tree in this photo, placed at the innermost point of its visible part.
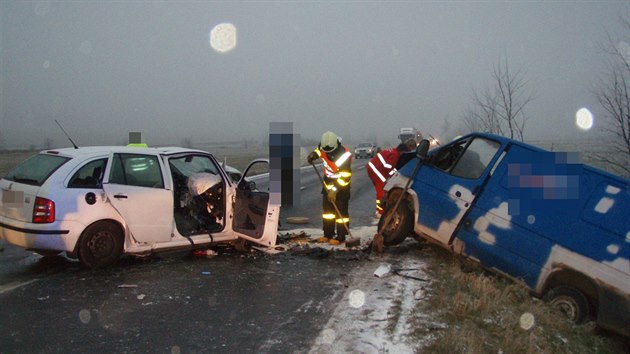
(500, 109)
(613, 94)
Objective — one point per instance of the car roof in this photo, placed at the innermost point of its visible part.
(88, 151)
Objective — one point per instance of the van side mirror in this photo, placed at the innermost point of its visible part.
(423, 149)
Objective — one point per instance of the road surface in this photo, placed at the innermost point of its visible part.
(180, 303)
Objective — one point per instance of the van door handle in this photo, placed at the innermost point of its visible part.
(120, 196)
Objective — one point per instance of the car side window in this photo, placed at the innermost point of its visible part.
(476, 158)
(445, 158)
(136, 170)
(89, 176)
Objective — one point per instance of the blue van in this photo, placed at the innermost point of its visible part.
(560, 227)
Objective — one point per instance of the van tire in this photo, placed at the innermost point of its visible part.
(569, 301)
(100, 245)
(400, 225)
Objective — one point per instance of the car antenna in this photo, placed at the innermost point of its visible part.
(67, 136)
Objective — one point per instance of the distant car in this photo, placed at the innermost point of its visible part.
(97, 203)
(365, 150)
(235, 174)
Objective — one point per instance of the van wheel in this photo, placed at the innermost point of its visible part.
(100, 245)
(569, 301)
(400, 224)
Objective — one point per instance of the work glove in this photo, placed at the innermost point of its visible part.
(332, 195)
(312, 157)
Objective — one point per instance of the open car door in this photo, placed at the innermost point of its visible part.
(256, 209)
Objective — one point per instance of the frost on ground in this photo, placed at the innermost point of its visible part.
(377, 313)
(377, 310)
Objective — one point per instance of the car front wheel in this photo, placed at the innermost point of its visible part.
(400, 223)
(569, 301)
(100, 245)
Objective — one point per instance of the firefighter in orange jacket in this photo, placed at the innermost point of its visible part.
(383, 165)
(336, 159)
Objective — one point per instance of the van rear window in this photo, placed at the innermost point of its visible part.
(36, 170)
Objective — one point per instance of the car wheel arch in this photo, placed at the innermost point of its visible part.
(570, 278)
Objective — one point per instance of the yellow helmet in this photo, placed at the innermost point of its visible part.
(329, 141)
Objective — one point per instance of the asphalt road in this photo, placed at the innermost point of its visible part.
(181, 303)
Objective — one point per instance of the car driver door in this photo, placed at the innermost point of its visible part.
(256, 210)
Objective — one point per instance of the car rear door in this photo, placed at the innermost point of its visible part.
(449, 182)
(256, 206)
(135, 187)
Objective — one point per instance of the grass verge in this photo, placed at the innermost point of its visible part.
(479, 312)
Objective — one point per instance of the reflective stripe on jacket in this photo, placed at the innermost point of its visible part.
(383, 163)
(337, 171)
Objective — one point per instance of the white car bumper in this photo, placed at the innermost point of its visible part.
(55, 236)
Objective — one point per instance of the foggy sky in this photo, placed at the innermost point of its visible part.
(361, 69)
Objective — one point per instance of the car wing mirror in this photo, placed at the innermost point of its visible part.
(423, 149)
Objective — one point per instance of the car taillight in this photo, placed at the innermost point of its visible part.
(43, 211)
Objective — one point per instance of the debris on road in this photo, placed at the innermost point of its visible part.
(378, 244)
(301, 237)
(383, 270)
(398, 272)
(205, 253)
(297, 220)
(127, 286)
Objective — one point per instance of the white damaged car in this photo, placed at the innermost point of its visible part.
(98, 203)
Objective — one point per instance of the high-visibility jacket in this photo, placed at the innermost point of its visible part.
(337, 171)
(383, 165)
(379, 169)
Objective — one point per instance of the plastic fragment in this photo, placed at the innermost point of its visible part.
(382, 270)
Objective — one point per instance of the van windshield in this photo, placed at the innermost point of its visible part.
(36, 170)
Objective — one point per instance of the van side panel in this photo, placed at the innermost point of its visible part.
(499, 235)
(540, 213)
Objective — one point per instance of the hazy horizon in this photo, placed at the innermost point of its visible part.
(361, 69)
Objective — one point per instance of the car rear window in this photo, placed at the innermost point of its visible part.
(36, 170)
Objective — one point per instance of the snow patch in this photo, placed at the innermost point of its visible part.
(381, 324)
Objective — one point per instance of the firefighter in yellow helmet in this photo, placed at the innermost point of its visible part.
(336, 159)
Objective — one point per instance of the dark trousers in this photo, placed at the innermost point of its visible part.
(343, 199)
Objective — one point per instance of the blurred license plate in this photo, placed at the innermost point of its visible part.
(12, 199)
